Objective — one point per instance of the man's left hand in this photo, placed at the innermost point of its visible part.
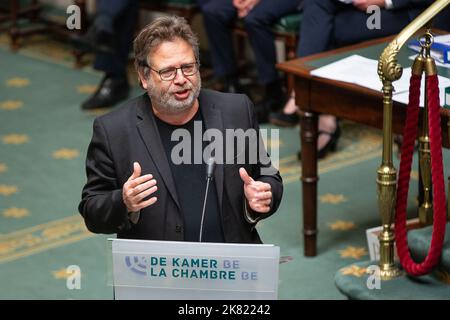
(257, 193)
(364, 4)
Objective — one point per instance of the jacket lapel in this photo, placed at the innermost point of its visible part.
(150, 135)
(213, 120)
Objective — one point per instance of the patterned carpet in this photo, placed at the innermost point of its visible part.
(43, 140)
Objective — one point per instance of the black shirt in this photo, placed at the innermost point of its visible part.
(190, 179)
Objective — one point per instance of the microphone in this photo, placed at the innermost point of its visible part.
(210, 166)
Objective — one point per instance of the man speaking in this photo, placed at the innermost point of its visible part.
(145, 182)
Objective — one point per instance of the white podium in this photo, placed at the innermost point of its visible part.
(169, 270)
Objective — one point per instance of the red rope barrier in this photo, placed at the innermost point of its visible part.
(437, 174)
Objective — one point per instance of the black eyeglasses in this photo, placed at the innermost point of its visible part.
(168, 74)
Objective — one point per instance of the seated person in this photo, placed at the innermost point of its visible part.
(110, 37)
(328, 24)
(258, 17)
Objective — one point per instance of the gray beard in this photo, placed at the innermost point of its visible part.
(166, 102)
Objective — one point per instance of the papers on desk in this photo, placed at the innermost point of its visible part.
(359, 70)
(363, 72)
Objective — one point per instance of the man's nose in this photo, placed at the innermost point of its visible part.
(179, 77)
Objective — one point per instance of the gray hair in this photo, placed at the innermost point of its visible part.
(162, 29)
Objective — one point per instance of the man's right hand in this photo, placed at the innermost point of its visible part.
(137, 188)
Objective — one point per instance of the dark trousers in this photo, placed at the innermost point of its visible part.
(328, 24)
(219, 16)
(118, 17)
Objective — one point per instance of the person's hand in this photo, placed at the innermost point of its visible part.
(137, 188)
(257, 193)
(364, 4)
(239, 4)
(244, 6)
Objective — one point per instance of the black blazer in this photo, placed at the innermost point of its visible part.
(130, 134)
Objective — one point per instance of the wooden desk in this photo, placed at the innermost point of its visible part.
(346, 101)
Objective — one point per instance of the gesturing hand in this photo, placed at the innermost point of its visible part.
(137, 188)
(257, 193)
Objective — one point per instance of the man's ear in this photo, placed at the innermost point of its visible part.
(143, 81)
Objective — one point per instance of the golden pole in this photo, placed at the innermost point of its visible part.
(386, 173)
(426, 209)
(389, 71)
